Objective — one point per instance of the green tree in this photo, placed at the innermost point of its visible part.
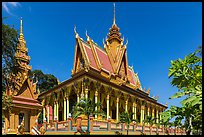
(9, 44)
(86, 107)
(125, 117)
(186, 75)
(149, 120)
(45, 81)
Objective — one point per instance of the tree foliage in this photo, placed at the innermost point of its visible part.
(125, 117)
(45, 81)
(86, 107)
(186, 75)
(9, 44)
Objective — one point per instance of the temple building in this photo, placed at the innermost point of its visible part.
(26, 108)
(103, 75)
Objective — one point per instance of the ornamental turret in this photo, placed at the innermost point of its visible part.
(114, 34)
(22, 59)
(116, 50)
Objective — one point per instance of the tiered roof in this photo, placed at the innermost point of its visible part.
(111, 60)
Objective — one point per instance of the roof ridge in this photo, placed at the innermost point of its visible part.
(98, 45)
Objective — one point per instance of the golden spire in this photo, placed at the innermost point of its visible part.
(114, 13)
(21, 27)
(21, 30)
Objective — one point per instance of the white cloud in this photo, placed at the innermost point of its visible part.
(7, 5)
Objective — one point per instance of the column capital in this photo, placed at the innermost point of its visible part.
(117, 100)
(126, 102)
(142, 107)
(108, 96)
(86, 90)
(96, 93)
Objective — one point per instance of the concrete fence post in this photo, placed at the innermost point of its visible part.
(134, 126)
(109, 125)
(91, 124)
(69, 124)
(123, 126)
(78, 122)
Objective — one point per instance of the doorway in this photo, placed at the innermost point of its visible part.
(26, 117)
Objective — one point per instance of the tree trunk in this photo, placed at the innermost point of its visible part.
(190, 124)
(127, 129)
(88, 126)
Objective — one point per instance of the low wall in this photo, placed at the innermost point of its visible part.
(102, 125)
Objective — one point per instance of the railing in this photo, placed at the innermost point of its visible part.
(102, 125)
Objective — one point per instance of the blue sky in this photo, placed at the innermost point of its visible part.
(157, 33)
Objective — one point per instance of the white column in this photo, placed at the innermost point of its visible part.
(43, 113)
(148, 109)
(67, 107)
(65, 103)
(126, 106)
(107, 106)
(48, 114)
(86, 93)
(157, 116)
(96, 95)
(55, 107)
(117, 109)
(152, 112)
(142, 114)
(57, 110)
(77, 98)
(133, 111)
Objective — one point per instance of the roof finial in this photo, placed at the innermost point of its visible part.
(76, 34)
(114, 14)
(87, 34)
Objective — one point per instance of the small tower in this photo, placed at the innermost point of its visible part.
(22, 60)
(24, 96)
(114, 34)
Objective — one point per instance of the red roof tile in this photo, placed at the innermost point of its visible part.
(104, 60)
(90, 55)
(131, 74)
(26, 103)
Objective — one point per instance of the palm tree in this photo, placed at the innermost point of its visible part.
(86, 107)
(125, 117)
(151, 121)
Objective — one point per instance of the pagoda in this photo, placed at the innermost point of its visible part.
(103, 75)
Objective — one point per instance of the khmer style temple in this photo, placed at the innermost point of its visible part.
(103, 75)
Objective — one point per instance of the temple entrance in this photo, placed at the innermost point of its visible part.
(26, 117)
(21, 116)
(72, 101)
(113, 114)
(60, 115)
